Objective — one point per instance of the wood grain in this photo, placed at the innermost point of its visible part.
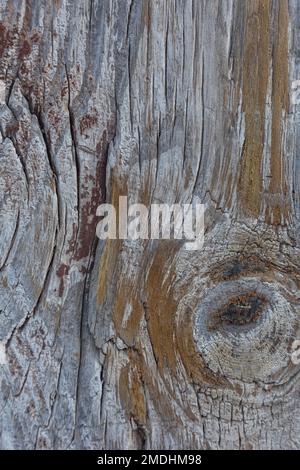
(142, 344)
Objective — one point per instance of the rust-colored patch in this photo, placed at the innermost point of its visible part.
(88, 219)
(64, 91)
(255, 84)
(3, 36)
(35, 37)
(12, 128)
(54, 118)
(25, 49)
(86, 122)
(88, 222)
(62, 271)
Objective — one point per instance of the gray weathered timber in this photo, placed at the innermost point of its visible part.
(143, 344)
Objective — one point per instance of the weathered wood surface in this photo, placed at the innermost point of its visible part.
(141, 344)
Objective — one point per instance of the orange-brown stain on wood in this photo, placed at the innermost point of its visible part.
(194, 365)
(255, 85)
(171, 338)
(161, 305)
(280, 102)
(112, 272)
(135, 378)
(112, 248)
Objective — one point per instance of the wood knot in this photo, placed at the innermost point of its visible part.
(240, 329)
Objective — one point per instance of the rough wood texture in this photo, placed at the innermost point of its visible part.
(143, 344)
